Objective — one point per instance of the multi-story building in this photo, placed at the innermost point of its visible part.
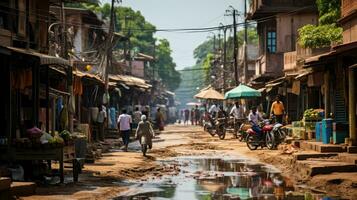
(278, 22)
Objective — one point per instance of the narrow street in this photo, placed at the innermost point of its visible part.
(187, 163)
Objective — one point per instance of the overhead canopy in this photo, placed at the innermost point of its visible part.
(210, 94)
(44, 59)
(193, 104)
(242, 91)
(130, 81)
(87, 75)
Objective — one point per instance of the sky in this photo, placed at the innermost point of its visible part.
(168, 14)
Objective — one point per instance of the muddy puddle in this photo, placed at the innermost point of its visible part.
(219, 178)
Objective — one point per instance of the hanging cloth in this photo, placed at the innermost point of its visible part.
(77, 86)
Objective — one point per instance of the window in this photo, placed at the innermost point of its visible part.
(271, 39)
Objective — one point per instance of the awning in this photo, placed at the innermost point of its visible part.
(261, 90)
(316, 60)
(125, 86)
(130, 81)
(44, 59)
(303, 74)
(275, 82)
(87, 75)
(170, 93)
(353, 66)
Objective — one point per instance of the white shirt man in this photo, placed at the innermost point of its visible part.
(124, 122)
(237, 111)
(254, 117)
(213, 109)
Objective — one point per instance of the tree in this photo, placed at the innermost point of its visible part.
(327, 32)
(165, 65)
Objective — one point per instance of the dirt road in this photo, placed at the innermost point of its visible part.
(102, 179)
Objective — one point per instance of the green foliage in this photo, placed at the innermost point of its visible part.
(331, 8)
(327, 32)
(312, 36)
(165, 65)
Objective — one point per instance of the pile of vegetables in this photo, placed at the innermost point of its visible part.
(66, 136)
(36, 138)
(312, 115)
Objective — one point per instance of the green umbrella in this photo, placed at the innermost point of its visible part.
(242, 91)
(243, 193)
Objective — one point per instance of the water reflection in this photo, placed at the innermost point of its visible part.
(219, 179)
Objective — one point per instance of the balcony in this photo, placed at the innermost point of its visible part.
(292, 59)
(269, 64)
(347, 7)
(263, 8)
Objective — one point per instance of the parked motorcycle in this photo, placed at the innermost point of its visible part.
(253, 139)
(208, 124)
(276, 136)
(242, 131)
(221, 127)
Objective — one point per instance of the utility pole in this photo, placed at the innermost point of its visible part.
(245, 43)
(233, 12)
(109, 53)
(224, 57)
(235, 48)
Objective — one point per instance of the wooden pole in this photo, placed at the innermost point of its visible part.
(327, 94)
(352, 106)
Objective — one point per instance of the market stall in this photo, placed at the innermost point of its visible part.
(37, 110)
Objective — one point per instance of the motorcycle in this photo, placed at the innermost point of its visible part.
(221, 127)
(242, 131)
(276, 136)
(209, 124)
(253, 139)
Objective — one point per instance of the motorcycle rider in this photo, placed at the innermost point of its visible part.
(237, 112)
(221, 113)
(254, 118)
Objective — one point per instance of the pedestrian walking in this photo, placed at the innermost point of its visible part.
(136, 117)
(192, 116)
(159, 119)
(187, 116)
(101, 119)
(124, 125)
(278, 110)
(144, 132)
(197, 115)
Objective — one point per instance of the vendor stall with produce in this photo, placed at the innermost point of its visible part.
(36, 111)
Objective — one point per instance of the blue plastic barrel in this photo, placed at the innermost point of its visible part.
(326, 130)
(318, 131)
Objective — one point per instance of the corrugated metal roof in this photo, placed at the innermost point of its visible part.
(130, 80)
(44, 59)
